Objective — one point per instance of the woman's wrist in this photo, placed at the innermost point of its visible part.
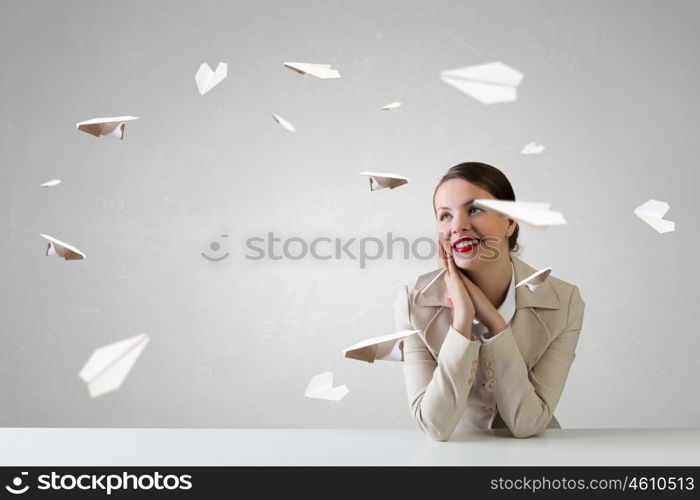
(495, 328)
(464, 328)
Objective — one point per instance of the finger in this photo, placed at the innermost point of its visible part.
(454, 274)
(465, 279)
(469, 285)
(453, 265)
(441, 251)
(447, 252)
(447, 263)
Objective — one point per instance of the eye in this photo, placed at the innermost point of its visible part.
(474, 208)
(443, 215)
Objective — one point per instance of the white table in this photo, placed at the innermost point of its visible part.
(190, 447)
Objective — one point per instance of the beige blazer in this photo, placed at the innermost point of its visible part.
(515, 381)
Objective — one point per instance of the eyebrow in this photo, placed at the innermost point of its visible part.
(464, 205)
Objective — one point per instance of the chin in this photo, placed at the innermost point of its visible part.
(467, 263)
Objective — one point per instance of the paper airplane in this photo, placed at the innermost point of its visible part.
(109, 127)
(652, 212)
(323, 71)
(378, 180)
(207, 79)
(321, 387)
(536, 279)
(62, 249)
(532, 149)
(536, 214)
(387, 347)
(390, 106)
(487, 83)
(108, 366)
(51, 183)
(285, 124)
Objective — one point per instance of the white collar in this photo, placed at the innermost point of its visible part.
(507, 309)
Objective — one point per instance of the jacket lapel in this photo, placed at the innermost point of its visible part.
(430, 289)
(543, 297)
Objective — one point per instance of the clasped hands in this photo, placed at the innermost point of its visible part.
(467, 299)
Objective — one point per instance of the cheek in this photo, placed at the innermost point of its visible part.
(493, 229)
(486, 227)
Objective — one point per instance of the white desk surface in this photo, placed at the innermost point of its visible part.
(189, 447)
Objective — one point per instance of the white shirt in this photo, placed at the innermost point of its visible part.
(507, 311)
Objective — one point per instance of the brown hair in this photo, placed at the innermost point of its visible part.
(486, 177)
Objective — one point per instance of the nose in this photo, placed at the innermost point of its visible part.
(460, 222)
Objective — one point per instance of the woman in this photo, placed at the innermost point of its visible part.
(487, 354)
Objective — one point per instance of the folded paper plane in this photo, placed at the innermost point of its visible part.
(387, 348)
(62, 249)
(51, 183)
(487, 83)
(323, 71)
(285, 124)
(207, 79)
(321, 387)
(652, 212)
(108, 127)
(378, 180)
(535, 280)
(390, 106)
(535, 214)
(108, 366)
(532, 149)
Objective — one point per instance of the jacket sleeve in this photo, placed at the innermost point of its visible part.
(437, 390)
(526, 401)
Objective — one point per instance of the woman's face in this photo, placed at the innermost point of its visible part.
(476, 237)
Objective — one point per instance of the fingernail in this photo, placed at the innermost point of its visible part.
(449, 302)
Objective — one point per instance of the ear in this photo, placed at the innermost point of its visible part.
(512, 224)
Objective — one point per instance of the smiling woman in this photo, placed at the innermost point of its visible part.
(488, 354)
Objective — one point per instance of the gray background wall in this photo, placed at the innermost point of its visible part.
(610, 88)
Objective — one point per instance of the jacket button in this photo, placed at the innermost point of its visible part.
(486, 363)
(492, 381)
(489, 372)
